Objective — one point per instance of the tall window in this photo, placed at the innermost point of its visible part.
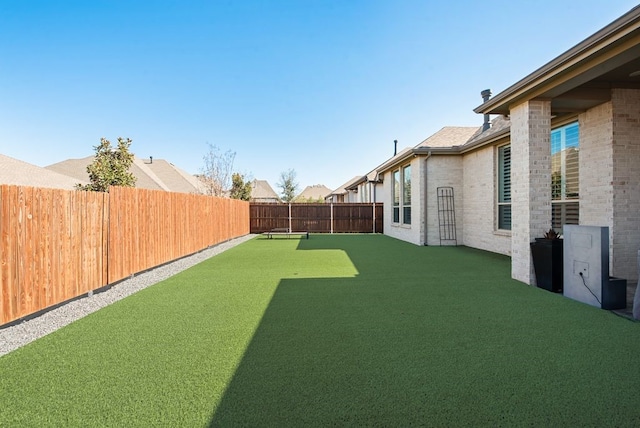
(565, 148)
(504, 187)
(396, 196)
(402, 195)
(406, 195)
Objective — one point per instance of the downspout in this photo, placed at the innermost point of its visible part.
(424, 198)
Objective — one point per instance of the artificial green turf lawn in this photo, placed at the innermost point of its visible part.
(350, 330)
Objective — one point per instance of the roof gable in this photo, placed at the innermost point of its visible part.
(20, 173)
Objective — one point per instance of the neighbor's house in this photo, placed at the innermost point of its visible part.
(153, 174)
(344, 193)
(20, 173)
(313, 193)
(564, 149)
(367, 188)
(262, 192)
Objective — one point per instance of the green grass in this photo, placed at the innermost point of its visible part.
(351, 330)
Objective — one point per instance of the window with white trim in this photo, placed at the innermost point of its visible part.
(504, 187)
(402, 195)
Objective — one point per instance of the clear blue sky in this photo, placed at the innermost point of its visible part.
(323, 87)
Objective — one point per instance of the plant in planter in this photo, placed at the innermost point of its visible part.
(547, 253)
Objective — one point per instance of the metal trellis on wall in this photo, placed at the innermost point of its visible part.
(446, 215)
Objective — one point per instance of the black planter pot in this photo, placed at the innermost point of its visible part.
(547, 262)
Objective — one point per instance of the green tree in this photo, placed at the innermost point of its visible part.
(110, 166)
(240, 189)
(288, 185)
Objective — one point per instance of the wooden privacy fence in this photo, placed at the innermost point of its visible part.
(325, 218)
(56, 245)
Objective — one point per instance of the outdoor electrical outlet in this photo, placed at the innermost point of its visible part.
(581, 268)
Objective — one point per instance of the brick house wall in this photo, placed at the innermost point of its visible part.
(626, 183)
(610, 176)
(443, 171)
(414, 232)
(479, 209)
(530, 182)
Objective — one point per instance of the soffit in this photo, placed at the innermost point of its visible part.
(582, 77)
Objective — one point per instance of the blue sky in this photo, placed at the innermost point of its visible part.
(323, 87)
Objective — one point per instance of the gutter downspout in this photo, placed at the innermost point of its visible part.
(424, 199)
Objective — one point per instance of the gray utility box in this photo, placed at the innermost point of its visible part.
(586, 268)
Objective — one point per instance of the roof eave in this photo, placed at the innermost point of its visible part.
(391, 163)
(599, 41)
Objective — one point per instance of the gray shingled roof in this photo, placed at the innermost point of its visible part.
(159, 175)
(499, 124)
(343, 189)
(450, 136)
(261, 191)
(20, 173)
(176, 179)
(316, 191)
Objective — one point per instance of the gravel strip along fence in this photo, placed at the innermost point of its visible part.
(12, 338)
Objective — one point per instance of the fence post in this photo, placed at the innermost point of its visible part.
(290, 230)
(332, 218)
(373, 207)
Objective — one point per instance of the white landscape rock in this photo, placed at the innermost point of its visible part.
(12, 338)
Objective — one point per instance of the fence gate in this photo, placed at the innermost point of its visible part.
(446, 215)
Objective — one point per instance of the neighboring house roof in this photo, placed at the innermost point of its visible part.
(343, 188)
(261, 191)
(176, 179)
(314, 192)
(580, 78)
(159, 175)
(20, 173)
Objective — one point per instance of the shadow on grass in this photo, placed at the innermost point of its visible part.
(420, 336)
(358, 350)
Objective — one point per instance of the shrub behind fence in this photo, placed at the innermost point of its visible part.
(56, 245)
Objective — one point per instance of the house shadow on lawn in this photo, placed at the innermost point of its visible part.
(355, 350)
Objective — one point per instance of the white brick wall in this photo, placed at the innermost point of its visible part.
(472, 177)
(479, 209)
(610, 176)
(596, 140)
(414, 232)
(530, 182)
(625, 233)
(443, 171)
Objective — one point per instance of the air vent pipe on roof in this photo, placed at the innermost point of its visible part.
(486, 94)
(395, 147)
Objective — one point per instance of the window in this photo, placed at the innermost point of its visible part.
(406, 195)
(565, 148)
(402, 195)
(396, 196)
(504, 187)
